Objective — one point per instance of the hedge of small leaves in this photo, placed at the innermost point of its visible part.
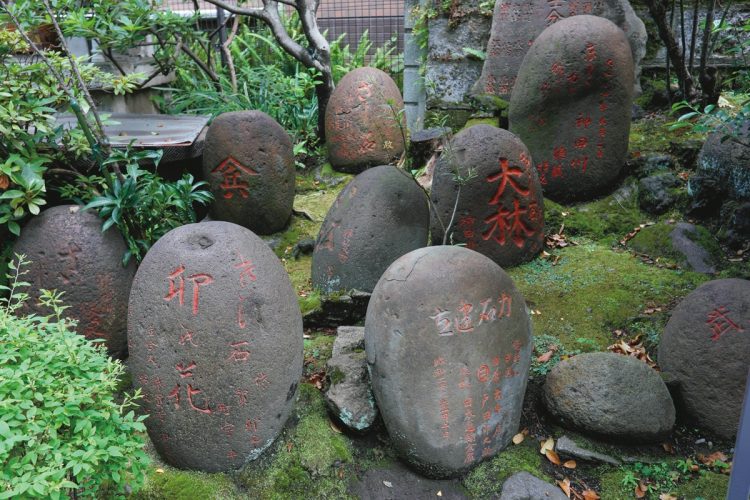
(61, 431)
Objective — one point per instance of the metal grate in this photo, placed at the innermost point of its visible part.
(383, 19)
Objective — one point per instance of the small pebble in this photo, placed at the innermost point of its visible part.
(700, 441)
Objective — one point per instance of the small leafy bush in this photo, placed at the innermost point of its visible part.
(61, 431)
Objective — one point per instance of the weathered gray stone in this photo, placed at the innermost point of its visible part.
(525, 486)
(611, 396)
(363, 121)
(215, 345)
(399, 483)
(70, 253)
(517, 23)
(724, 161)
(571, 106)
(500, 211)
(566, 447)
(448, 342)
(348, 339)
(249, 164)
(705, 346)
(697, 257)
(656, 193)
(378, 217)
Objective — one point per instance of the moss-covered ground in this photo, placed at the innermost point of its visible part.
(612, 276)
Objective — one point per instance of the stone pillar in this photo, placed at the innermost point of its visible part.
(415, 96)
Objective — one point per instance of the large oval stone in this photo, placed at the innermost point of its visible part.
(248, 162)
(447, 339)
(611, 396)
(500, 211)
(571, 106)
(215, 344)
(70, 253)
(517, 23)
(706, 347)
(364, 123)
(378, 217)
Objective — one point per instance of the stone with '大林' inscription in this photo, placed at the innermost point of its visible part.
(70, 253)
(500, 211)
(706, 348)
(364, 122)
(248, 162)
(378, 217)
(448, 342)
(571, 106)
(215, 339)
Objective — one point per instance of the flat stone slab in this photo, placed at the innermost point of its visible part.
(525, 486)
(399, 483)
(567, 447)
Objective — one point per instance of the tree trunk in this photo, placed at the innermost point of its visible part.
(658, 10)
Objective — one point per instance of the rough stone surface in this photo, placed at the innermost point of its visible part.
(399, 483)
(249, 164)
(423, 144)
(611, 396)
(696, 256)
(349, 396)
(571, 106)
(448, 343)
(656, 193)
(500, 210)
(215, 338)
(705, 347)
(70, 254)
(378, 217)
(726, 162)
(525, 486)
(362, 128)
(738, 230)
(566, 447)
(517, 23)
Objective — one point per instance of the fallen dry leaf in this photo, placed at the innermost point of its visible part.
(552, 457)
(549, 444)
(547, 355)
(388, 484)
(289, 446)
(570, 464)
(518, 438)
(565, 486)
(713, 457)
(4, 181)
(160, 471)
(667, 496)
(439, 493)
(334, 427)
(668, 448)
(640, 490)
(590, 495)
(634, 348)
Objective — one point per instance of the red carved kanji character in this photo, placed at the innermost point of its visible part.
(222, 408)
(483, 373)
(581, 163)
(438, 373)
(486, 415)
(499, 223)
(464, 324)
(517, 345)
(240, 351)
(151, 360)
(559, 153)
(157, 383)
(600, 150)
(508, 359)
(590, 53)
(519, 231)
(533, 212)
(603, 121)
(179, 290)
(525, 160)
(443, 322)
(466, 222)
(232, 171)
(367, 146)
(542, 169)
(505, 301)
(251, 425)
(247, 274)
(603, 106)
(364, 92)
(261, 380)
(326, 239)
(255, 440)
(509, 372)
(498, 394)
(498, 408)
(175, 394)
(581, 142)
(573, 77)
(496, 361)
(557, 171)
(496, 376)
(583, 121)
(241, 396)
(438, 361)
(558, 69)
(720, 323)
(143, 379)
(163, 437)
(199, 280)
(485, 315)
(187, 338)
(231, 454)
(227, 429)
(506, 176)
(185, 371)
(191, 392)
(485, 398)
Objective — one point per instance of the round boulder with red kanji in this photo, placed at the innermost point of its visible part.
(69, 253)
(706, 348)
(378, 217)
(215, 338)
(364, 121)
(571, 106)
(448, 343)
(248, 161)
(500, 210)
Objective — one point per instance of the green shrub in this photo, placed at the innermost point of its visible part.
(61, 431)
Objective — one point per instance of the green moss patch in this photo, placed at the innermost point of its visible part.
(166, 482)
(655, 242)
(486, 480)
(651, 135)
(317, 352)
(594, 290)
